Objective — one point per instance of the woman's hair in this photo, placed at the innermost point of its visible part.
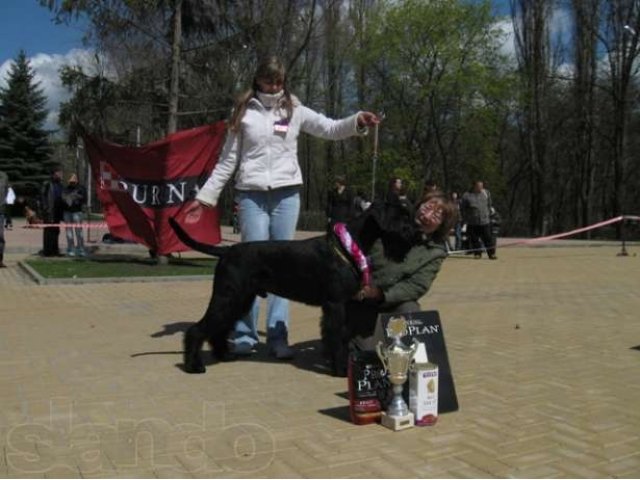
(449, 213)
(271, 68)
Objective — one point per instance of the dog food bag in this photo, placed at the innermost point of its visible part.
(368, 387)
(423, 388)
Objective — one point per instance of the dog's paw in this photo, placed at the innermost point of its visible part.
(198, 368)
(340, 371)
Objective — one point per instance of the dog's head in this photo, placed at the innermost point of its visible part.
(391, 222)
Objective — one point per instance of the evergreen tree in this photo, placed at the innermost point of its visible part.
(25, 153)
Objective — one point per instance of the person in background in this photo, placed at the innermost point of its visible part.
(397, 192)
(360, 202)
(4, 185)
(476, 208)
(395, 189)
(457, 229)
(430, 186)
(10, 201)
(261, 149)
(234, 218)
(340, 205)
(74, 197)
(51, 205)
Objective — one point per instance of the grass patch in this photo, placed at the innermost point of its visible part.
(119, 266)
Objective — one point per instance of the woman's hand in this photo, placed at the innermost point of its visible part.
(369, 292)
(367, 119)
(194, 211)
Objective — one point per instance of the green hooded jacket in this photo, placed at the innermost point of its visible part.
(408, 280)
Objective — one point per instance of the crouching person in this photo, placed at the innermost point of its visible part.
(397, 286)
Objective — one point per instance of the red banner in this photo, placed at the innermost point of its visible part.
(141, 187)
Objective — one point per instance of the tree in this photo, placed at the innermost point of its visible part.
(433, 72)
(531, 26)
(24, 146)
(92, 98)
(621, 38)
(586, 13)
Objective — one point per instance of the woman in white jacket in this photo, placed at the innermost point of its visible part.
(262, 148)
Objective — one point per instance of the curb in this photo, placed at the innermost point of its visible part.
(40, 280)
(102, 248)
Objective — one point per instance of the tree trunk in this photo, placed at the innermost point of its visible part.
(586, 16)
(621, 39)
(530, 19)
(174, 86)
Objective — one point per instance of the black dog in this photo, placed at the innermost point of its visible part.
(316, 271)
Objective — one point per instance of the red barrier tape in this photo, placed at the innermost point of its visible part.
(557, 235)
(88, 224)
(67, 225)
(567, 234)
(511, 244)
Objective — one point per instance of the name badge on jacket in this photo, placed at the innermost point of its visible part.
(281, 126)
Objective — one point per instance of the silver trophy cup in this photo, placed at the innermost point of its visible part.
(396, 358)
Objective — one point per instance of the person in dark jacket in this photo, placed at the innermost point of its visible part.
(397, 286)
(397, 193)
(340, 204)
(51, 206)
(476, 209)
(457, 229)
(74, 197)
(360, 202)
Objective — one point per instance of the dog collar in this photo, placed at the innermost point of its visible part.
(351, 247)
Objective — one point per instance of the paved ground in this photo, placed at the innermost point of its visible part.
(544, 346)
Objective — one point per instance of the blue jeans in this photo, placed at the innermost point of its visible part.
(270, 215)
(458, 235)
(74, 217)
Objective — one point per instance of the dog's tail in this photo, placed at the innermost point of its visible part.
(194, 244)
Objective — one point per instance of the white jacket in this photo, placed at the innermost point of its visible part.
(11, 196)
(269, 148)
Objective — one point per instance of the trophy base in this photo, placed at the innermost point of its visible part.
(396, 423)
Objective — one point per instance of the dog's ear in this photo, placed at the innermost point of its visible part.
(398, 230)
(392, 222)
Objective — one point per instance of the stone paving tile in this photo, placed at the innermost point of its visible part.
(544, 346)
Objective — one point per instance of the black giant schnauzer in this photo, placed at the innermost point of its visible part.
(316, 271)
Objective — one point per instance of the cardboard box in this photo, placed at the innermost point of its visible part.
(423, 393)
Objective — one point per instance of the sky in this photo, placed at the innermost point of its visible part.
(26, 25)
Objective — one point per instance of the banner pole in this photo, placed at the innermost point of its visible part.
(88, 205)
